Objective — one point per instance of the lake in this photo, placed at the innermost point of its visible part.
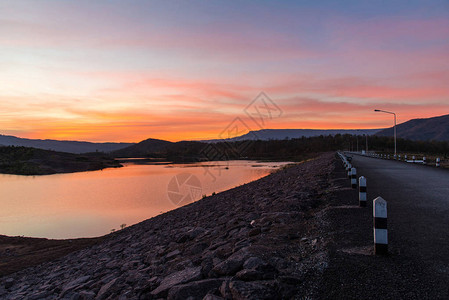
(90, 204)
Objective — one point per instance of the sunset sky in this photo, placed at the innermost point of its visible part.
(175, 70)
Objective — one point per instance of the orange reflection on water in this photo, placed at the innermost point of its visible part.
(90, 204)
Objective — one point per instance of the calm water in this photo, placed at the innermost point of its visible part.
(90, 204)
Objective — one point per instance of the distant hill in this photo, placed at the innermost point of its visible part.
(32, 161)
(144, 148)
(281, 134)
(436, 128)
(62, 146)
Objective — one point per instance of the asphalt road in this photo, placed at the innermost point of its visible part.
(417, 266)
(418, 204)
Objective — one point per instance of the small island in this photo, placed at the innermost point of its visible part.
(33, 161)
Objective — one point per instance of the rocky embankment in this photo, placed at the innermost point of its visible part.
(263, 240)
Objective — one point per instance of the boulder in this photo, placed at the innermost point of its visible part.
(9, 283)
(106, 289)
(184, 276)
(233, 264)
(172, 254)
(72, 285)
(194, 289)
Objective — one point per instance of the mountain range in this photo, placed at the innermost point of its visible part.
(62, 146)
(436, 129)
(280, 134)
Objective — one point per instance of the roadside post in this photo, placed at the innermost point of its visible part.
(354, 178)
(437, 164)
(362, 191)
(380, 226)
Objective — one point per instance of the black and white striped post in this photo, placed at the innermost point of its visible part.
(424, 160)
(399, 157)
(380, 226)
(413, 158)
(437, 164)
(405, 158)
(362, 191)
(354, 178)
(349, 168)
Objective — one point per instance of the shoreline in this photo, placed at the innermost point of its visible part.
(203, 239)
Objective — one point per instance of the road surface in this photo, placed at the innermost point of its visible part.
(418, 228)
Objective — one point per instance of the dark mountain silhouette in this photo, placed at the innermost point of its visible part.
(62, 146)
(281, 134)
(144, 148)
(436, 128)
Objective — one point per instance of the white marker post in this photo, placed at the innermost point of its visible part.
(413, 158)
(424, 160)
(437, 164)
(380, 226)
(405, 158)
(399, 157)
(349, 168)
(354, 178)
(362, 191)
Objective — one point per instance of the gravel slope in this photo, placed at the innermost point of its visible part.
(263, 240)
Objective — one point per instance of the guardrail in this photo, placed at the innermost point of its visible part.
(414, 160)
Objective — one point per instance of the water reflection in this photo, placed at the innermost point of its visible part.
(90, 204)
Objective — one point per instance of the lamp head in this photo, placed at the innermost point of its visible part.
(376, 110)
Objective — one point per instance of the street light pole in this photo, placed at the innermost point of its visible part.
(389, 112)
(366, 139)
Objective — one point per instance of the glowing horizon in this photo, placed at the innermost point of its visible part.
(111, 71)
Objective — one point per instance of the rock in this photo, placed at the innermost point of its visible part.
(39, 295)
(225, 291)
(172, 254)
(254, 231)
(87, 295)
(249, 275)
(194, 233)
(227, 267)
(184, 276)
(198, 248)
(105, 289)
(191, 234)
(233, 264)
(293, 236)
(212, 297)
(74, 284)
(184, 265)
(206, 266)
(194, 289)
(241, 290)
(9, 283)
(257, 264)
